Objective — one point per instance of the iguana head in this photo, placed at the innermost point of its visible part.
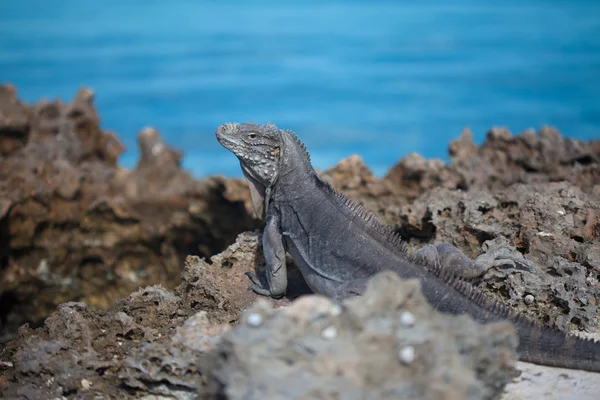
(258, 148)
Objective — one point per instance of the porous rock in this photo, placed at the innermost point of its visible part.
(501, 161)
(315, 349)
(148, 343)
(79, 351)
(555, 226)
(529, 157)
(167, 344)
(76, 226)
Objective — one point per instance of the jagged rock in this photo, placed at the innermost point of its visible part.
(220, 284)
(555, 225)
(161, 343)
(80, 351)
(388, 344)
(354, 178)
(172, 368)
(76, 226)
(146, 343)
(414, 175)
(15, 120)
(503, 159)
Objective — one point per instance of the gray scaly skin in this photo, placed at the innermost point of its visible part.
(338, 245)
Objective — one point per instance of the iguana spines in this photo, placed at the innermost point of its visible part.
(370, 220)
(300, 143)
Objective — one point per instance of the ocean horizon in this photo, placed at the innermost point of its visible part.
(380, 79)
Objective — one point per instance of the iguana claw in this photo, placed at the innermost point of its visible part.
(257, 286)
(503, 258)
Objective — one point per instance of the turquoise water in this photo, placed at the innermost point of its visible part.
(377, 78)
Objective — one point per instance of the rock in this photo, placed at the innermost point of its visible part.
(15, 120)
(221, 285)
(319, 350)
(161, 343)
(413, 175)
(177, 345)
(354, 178)
(556, 226)
(539, 382)
(504, 159)
(172, 369)
(76, 226)
(77, 343)
(149, 342)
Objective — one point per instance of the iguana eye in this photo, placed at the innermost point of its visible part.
(252, 135)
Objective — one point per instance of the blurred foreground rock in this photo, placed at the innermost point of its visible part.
(387, 344)
(75, 226)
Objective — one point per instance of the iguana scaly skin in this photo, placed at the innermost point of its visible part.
(338, 245)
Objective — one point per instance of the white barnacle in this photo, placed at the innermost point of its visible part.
(529, 299)
(85, 384)
(407, 355)
(407, 318)
(329, 333)
(335, 310)
(254, 319)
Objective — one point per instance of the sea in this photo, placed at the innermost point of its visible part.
(380, 79)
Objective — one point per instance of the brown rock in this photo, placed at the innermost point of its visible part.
(75, 226)
(413, 175)
(14, 121)
(504, 159)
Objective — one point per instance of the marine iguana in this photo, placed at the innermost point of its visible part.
(338, 245)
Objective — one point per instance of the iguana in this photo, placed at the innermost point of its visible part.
(338, 245)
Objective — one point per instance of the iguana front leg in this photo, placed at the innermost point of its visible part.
(274, 252)
(448, 256)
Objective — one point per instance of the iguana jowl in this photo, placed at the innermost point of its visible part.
(338, 245)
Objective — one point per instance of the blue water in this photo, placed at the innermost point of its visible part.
(377, 78)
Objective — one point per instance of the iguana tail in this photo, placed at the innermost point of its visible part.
(551, 347)
(537, 344)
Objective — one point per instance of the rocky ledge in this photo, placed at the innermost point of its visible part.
(77, 229)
